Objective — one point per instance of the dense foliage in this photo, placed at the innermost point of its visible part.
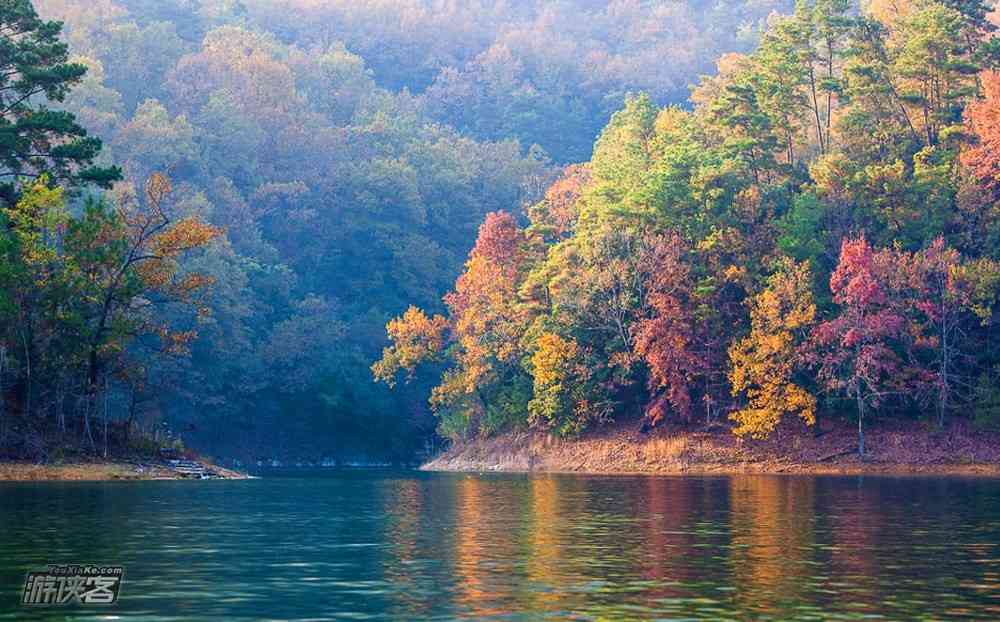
(78, 286)
(35, 141)
(343, 153)
(816, 237)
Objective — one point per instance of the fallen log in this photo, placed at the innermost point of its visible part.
(836, 454)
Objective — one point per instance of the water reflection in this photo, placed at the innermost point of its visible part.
(402, 534)
(413, 546)
(545, 560)
(773, 541)
(471, 568)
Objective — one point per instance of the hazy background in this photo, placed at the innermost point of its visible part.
(351, 148)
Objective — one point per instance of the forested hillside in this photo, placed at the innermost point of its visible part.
(280, 178)
(816, 237)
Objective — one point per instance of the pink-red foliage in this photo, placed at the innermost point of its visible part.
(665, 338)
(855, 350)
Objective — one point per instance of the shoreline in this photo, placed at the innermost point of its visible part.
(112, 470)
(709, 470)
(623, 450)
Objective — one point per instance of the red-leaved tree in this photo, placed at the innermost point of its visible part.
(855, 350)
(664, 339)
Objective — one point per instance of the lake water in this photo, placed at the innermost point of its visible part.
(420, 546)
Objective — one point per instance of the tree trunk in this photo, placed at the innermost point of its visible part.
(86, 423)
(815, 107)
(106, 398)
(63, 389)
(131, 417)
(861, 429)
(27, 367)
(943, 402)
(829, 97)
(91, 401)
(3, 403)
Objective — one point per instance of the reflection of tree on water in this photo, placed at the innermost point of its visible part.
(545, 557)
(405, 508)
(468, 547)
(773, 540)
(855, 527)
(485, 548)
(644, 548)
(668, 538)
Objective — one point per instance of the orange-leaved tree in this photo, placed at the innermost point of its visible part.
(484, 327)
(983, 159)
(128, 259)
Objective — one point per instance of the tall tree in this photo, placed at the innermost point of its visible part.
(136, 254)
(983, 158)
(947, 297)
(856, 348)
(36, 141)
(765, 363)
(85, 288)
(665, 339)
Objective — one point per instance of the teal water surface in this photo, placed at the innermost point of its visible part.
(368, 545)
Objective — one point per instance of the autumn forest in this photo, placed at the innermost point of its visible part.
(356, 228)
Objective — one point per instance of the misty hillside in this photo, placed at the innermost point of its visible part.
(350, 150)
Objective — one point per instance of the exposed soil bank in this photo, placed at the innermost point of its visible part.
(101, 471)
(905, 448)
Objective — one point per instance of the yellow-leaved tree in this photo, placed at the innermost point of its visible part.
(764, 363)
(416, 338)
(558, 378)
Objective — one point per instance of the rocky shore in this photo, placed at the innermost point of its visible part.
(116, 470)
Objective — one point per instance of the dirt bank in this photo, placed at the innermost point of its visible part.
(100, 471)
(904, 448)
